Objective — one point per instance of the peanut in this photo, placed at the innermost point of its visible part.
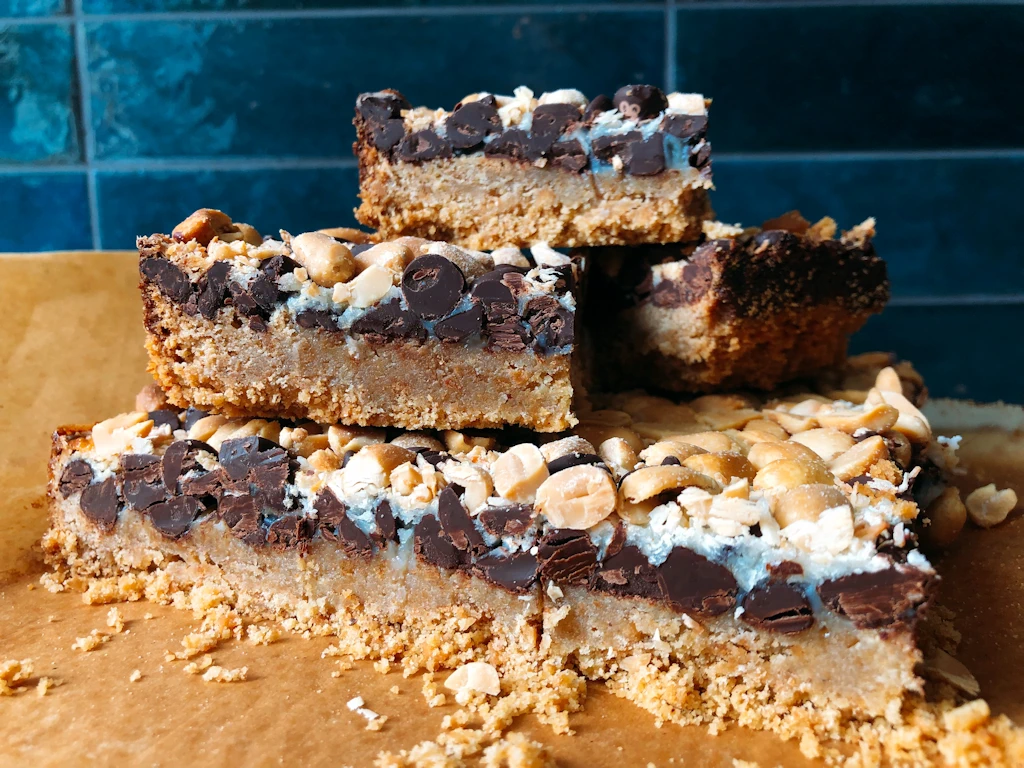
(519, 472)
(806, 502)
(785, 474)
(858, 459)
(327, 261)
(826, 442)
(723, 466)
(203, 226)
(648, 482)
(987, 507)
(115, 435)
(579, 497)
(876, 418)
(763, 454)
(392, 256)
(655, 455)
(947, 516)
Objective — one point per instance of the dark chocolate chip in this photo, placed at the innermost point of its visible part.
(242, 516)
(432, 285)
(645, 158)
(617, 541)
(387, 528)
(517, 144)
(76, 477)
(336, 525)
(640, 102)
(670, 461)
(628, 573)
(597, 105)
(514, 520)
(290, 531)
(99, 502)
(878, 599)
(213, 287)
(569, 155)
(423, 145)
(462, 326)
(517, 573)
(163, 416)
(554, 119)
(431, 545)
(700, 155)
(508, 334)
(242, 455)
(489, 99)
(685, 127)
(567, 556)
(389, 321)
(607, 147)
(257, 324)
(457, 524)
(278, 265)
(433, 458)
(259, 299)
(495, 296)
(179, 459)
(552, 324)
(497, 273)
(694, 584)
(317, 318)
(206, 485)
(192, 415)
(168, 278)
(785, 569)
(779, 607)
(174, 517)
(381, 105)
(384, 135)
(469, 124)
(573, 459)
(141, 480)
(516, 283)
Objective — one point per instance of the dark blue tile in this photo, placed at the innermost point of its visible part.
(33, 7)
(44, 212)
(37, 116)
(142, 203)
(945, 226)
(149, 6)
(856, 77)
(287, 87)
(960, 351)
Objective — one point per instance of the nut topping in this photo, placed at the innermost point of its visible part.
(827, 443)
(806, 502)
(723, 467)
(579, 497)
(988, 506)
(789, 473)
(115, 435)
(875, 418)
(559, 448)
(344, 439)
(946, 518)
(203, 226)
(763, 454)
(858, 459)
(327, 261)
(369, 471)
(519, 472)
(477, 483)
(619, 455)
(712, 442)
(655, 455)
(648, 482)
(391, 256)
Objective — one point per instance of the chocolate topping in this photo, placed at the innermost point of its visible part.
(386, 133)
(597, 105)
(461, 326)
(517, 144)
(375, 107)
(336, 525)
(423, 145)
(554, 119)
(290, 531)
(468, 124)
(162, 417)
(700, 155)
(552, 324)
(242, 516)
(141, 480)
(76, 477)
(517, 573)
(209, 484)
(608, 146)
(457, 524)
(514, 520)
(569, 155)
(317, 318)
(685, 126)
(779, 607)
(179, 459)
(278, 265)
(573, 459)
(192, 415)
(387, 528)
(258, 300)
(645, 158)
(629, 574)
(567, 556)
(174, 517)
(432, 285)
(640, 102)
(390, 321)
(213, 287)
(168, 278)
(694, 584)
(431, 544)
(879, 599)
(785, 569)
(99, 502)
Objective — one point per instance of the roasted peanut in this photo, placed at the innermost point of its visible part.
(826, 442)
(475, 481)
(618, 454)
(596, 433)
(367, 288)
(900, 447)
(510, 255)
(202, 226)
(806, 502)
(204, 428)
(769, 430)
(150, 398)
(327, 262)
(911, 422)
(875, 418)
(655, 455)
(648, 482)
(790, 421)
(789, 473)
(391, 256)
(405, 478)
(763, 454)
(115, 435)
(723, 466)
(559, 448)
(987, 506)
(888, 380)
(414, 440)
(858, 459)
(579, 497)
(348, 234)
(343, 439)
(369, 470)
(324, 460)
(946, 518)
(461, 442)
(519, 471)
(712, 442)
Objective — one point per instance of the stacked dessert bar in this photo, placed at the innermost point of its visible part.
(430, 440)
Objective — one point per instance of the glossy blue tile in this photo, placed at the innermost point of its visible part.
(37, 116)
(960, 351)
(856, 76)
(148, 6)
(33, 7)
(287, 87)
(141, 203)
(945, 226)
(44, 212)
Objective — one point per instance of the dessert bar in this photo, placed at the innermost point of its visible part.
(407, 333)
(741, 309)
(516, 170)
(723, 560)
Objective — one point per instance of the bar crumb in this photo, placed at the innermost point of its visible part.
(90, 642)
(217, 674)
(135, 676)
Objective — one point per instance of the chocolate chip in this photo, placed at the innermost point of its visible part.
(569, 155)
(513, 520)
(290, 531)
(389, 321)
(433, 458)
(432, 285)
(469, 124)
(645, 158)
(640, 102)
(567, 556)
(670, 461)
(387, 529)
(431, 544)
(457, 524)
(517, 573)
(552, 324)
(554, 119)
(242, 516)
(695, 585)
(607, 147)
(573, 459)
(462, 326)
(317, 318)
(168, 278)
(192, 415)
(700, 155)
(785, 569)
(179, 459)
(173, 518)
(497, 273)
(381, 105)
(629, 574)
(257, 324)
(141, 480)
(423, 145)
(163, 416)
(685, 126)
(617, 541)
(495, 296)
(212, 288)
(336, 525)
(516, 283)
(387, 133)
(99, 502)
(242, 455)
(779, 607)
(508, 335)
(76, 477)
(517, 144)
(878, 599)
(489, 99)
(259, 299)
(278, 265)
(207, 485)
(597, 105)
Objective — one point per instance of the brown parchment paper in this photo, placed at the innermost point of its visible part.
(71, 352)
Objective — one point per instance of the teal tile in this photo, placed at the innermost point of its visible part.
(297, 200)
(945, 226)
(18, 8)
(37, 114)
(149, 6)
(44, 212)
(856, 76)
(287, 87)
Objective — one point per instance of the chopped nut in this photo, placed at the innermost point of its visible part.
(414, 440)
(723, 466)
(472, 264)
(460, 442)
(477, 483)
(618, 454)
(150, 398)
(764, 429)
(369, 470)
(596, 433)
(730, 516)
(391, 256)
(344, 439)
(305, 444)
(789, 473)
(806, 502)
(368, 287)
(888, 380)
(476, 676)
(827, 443)
(858, 459)
(205, 428)
(578, 497)
(639, 513)
(519, 471)
(987, 506)
(271, 431)
(833, 532)
(559, 448)
(327, 261)
(405, 478)
(655, 455)
(763, 454)
(712, 442)
(510, 255)
(967, 716)
(875, 418)
(709, 403)
(324, 460)
(911, 422)
(947, 516)
(648, 482)
(248, 233)
(202, 226)
(115, 435)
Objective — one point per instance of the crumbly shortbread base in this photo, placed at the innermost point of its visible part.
(292, 372)
(485, 203)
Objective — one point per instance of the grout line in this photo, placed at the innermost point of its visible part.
(671, 37)
(85, 115)
(963, 300)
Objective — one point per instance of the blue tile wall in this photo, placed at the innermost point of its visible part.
(118, 117)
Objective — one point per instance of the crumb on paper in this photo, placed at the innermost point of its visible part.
(51, 583)
(135, 676)
(737, 763)
(50, 619)
(382, 666)
(474, 677)
(148, 616)
(217, 674)
(195, 667)
(115, 620)
(513, 750)
(261, 634)
(437, 701)
(44, 685)
(395, 690)
(14, 673)
(91, 641)
(31, 587)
